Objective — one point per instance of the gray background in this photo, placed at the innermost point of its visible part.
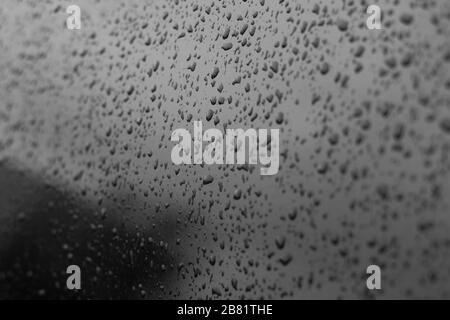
(86, 176)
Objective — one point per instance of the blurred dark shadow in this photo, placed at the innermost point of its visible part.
(44, 229)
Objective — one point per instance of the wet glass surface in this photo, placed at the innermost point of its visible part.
(86, 175)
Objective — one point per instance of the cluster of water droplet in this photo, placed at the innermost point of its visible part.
(364, 119)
